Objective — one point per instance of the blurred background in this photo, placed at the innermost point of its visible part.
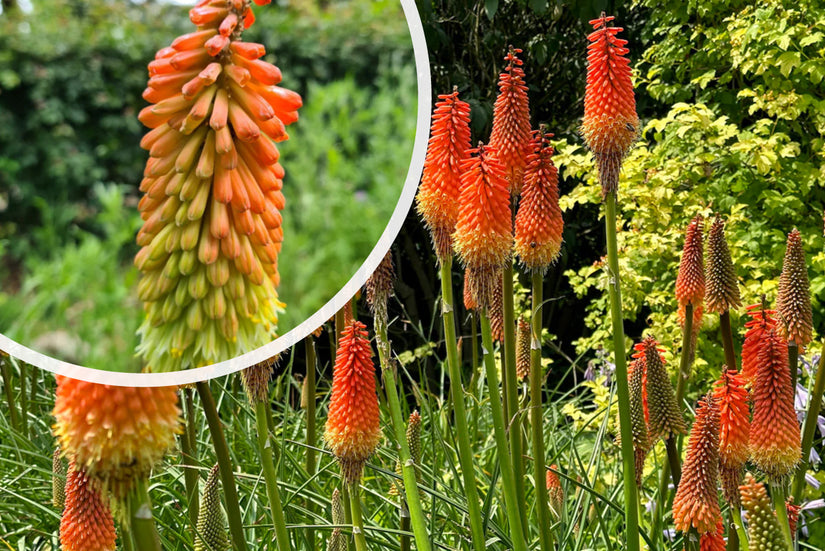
(71, 77)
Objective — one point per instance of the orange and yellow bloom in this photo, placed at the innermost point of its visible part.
(511, 121)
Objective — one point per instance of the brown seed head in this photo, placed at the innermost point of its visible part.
(379, 287)
(255, 380)
(523, 340)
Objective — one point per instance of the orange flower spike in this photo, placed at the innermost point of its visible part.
(690, 282)
(215, 117)
(793, 302)
(539, 223)
(352, 430)
(437, 198)
(554, 490)
(722, 286)
(87, 523)
(764, 532)
(775, 438)
(761, 322)
(116, 434)
(511, 121)
(696, 504)
(483, 236)
(734, 426)
(610, 124)
(715, 540)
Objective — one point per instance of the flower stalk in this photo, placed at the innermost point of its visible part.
(809, 428)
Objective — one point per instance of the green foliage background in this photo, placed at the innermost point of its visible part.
(71, 77)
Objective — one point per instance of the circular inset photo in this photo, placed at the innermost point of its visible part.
(184, 183)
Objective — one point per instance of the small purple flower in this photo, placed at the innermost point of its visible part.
(812, 480)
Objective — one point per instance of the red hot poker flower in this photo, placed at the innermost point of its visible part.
(353, 429)
(696, 504)
(511, 120)
(539, 223)
(437, 198)
(690, 282)
(483, 235)
(762, 321)
(87, 523)
(714, 541)
(775, 439)
(734, 426)
(610, 124)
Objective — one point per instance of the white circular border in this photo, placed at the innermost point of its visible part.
(328, 310)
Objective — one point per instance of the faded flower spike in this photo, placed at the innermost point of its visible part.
(764, 532)
(775, 439)
(666, 418)
(610, 124)
(115, 434)
(690, 282)
(212, 193)
(437, 198)
(87, 523)
(353, 430)
(793, 302)
(483, 235)
(722, 287)
(337, 541)
(511, 121)
(539, 223)
(255, 380)
(379, 286)
(734, 425)
(497, 310)
(696, 504)
(212, 530)
(762, 321)
(523, 340)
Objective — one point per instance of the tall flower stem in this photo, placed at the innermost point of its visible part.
(309, 389)
(614, 290)
(24, 400)
(357, 517)
(412, 496)
(737, 536)
(727, 339)
(465, 452)
(5, 369)
(512, 414)
(673, 461)
(476, 368)
(809, 428)
(511, 503)
(265, 446)
(536, 421)
(778, 497)
(188, 456)
(141, 522)
(233, 511)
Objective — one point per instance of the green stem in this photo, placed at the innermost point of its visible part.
(511, 503)
(24, 400)
(465, 452)
(345, 499)
(5, 369)
(733, 535)
(814, 405)
(692, 540)
(265, 445)
(233, 510)
(536, 420)
(141, 522)
(413, 498)
(188, 456)
(674, 461)
(309, 389)
(126, 540)
(727, 339)
(476, 368)
(681, 386)
(512, 413)
(778, 497)
(357, 518)
(793, 362)
(736, 516)
(614, 290)
(404, 525)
